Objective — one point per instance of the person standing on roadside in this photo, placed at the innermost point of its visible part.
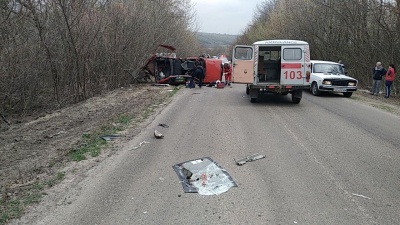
(389, 78)
(377, 73)
(227, 71)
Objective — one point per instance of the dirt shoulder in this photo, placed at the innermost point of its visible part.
(33, 152)
(391, 104)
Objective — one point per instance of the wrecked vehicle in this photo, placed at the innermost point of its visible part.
(166, 68)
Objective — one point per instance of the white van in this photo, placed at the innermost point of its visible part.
(273, 66)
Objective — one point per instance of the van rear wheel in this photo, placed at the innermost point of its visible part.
(296, 100)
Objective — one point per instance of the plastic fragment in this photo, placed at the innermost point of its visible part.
(250, 158)
(163, 125)
(110, 137)
(362, 196)
(140, 145)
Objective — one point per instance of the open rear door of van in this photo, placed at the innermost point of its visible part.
(243, 64)
(293, 65)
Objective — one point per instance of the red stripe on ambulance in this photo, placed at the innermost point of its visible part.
(291, 66)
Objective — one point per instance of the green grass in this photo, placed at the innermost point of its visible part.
(54, 180)
(91, 146)
(174, 91)
(32, 194)
(124, 119)
(92, 143)
(384, 107)
(13, 209)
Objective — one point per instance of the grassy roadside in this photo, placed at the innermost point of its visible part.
(15, 199)
(391, 105)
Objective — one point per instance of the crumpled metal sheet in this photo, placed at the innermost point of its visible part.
(203, 176)
(110, 137)
(249, 159)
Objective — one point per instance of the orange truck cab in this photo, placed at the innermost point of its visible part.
(273, 66)
(172, 70)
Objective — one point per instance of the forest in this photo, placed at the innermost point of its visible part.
(357, 32)
(54, 53)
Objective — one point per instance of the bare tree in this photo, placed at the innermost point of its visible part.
(57, 52)
(359, 32)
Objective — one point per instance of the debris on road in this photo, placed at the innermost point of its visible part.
(249, 159)
(158, 134)
(203, 176)
(165, 85)
(110, 137)
(140, 145)
(163, 125)
(362, 196)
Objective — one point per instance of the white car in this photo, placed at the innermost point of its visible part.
(329, 76)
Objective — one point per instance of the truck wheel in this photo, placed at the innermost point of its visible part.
(247, 90)
(314, 89)
(252, 100)
(347, 94)
(296, 100)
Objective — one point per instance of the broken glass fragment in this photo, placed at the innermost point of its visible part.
(203, 176)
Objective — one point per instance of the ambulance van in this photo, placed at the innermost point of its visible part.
(273, 66)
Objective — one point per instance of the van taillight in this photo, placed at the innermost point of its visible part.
(307, 76)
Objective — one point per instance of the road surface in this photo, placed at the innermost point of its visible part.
(329, 160)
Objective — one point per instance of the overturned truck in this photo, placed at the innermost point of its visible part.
(166, 68)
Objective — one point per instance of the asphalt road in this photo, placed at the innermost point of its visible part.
(329, 160)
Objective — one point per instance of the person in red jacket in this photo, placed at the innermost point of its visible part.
(389, 78)
(228, 73)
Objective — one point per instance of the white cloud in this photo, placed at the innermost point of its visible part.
(224, 16)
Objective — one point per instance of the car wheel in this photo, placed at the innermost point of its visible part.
(314, 89)
(347, 94)
(252, 100)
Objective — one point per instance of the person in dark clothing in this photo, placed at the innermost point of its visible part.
(377, 73)
(198, 73)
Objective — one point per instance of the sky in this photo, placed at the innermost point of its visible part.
(224, 16)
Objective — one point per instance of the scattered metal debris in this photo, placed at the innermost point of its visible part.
(158, 134)
(203, 176)
(110, 137)
(166, 85)
(249, 159)
(362, 196)
(163, 125)
(140, 145)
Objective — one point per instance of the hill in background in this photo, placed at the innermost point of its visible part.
(213, 40)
